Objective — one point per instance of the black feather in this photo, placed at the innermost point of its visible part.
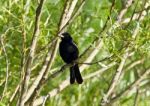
(69, 53)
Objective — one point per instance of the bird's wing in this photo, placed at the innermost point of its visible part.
(72, 48)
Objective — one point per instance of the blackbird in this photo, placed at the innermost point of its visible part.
(69, 53)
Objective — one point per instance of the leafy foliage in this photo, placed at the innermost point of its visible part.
(17, 18)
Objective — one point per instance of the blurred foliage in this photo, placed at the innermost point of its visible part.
(18, 16)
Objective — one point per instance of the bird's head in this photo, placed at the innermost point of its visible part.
(66, 36)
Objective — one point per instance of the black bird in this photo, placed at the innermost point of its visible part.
(69, 53)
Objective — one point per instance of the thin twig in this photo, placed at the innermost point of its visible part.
(100, 32)
(144, 9)
(136, 15)
(92, 63)
(137, 90)
(14, 95)
(91, 75)
(7, 67)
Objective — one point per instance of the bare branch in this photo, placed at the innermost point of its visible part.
(36, 33)
(34, 42)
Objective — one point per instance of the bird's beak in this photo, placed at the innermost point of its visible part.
(61, 35)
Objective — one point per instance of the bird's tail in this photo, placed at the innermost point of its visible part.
(75, 74)
(72, 75)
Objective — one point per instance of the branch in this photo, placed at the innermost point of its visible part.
(130, 87)
(34, 42)
(56, 73)
(134, 64)
(136, 98)
(131, 18)
(115, 79)
(66, 16)
(120, 16)
(143, 12)
(36, 34)
(137, 90)
(7, 68)
(124, 10)
(76, 13)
